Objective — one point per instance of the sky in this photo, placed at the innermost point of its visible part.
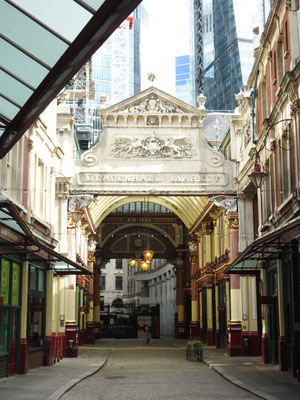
(168, 37)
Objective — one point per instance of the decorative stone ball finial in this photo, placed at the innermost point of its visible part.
(201, 99)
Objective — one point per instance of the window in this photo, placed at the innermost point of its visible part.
(36, 307)
(119, 282)
(102, 282)
(8, 173)
(10, 273)
(286, 37)
(274, 67)
(119, 263)
(267, 192)
(286, 165)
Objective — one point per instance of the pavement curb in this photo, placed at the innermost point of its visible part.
(233, 380)
(68, 386)
(238, 383)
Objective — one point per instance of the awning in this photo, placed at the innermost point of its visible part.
(267, 246)
(25, 242)
(43, 44)
(63, 265)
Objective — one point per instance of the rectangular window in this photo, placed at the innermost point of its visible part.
(286, 34)
(267, 194)
(5, 280)
(102, 282)
(285, 164)
(119, 263)
(119, 282)
(32, 277)
(15, 284)
(274, 66)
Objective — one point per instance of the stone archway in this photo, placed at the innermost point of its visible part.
(152, 149)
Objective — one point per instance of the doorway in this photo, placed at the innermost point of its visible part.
(14, 326)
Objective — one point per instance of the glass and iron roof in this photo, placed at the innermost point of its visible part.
(42, 46)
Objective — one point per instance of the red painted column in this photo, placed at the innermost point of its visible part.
(194, 324)
(23, 368)
(181, 323)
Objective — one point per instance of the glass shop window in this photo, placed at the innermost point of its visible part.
(35, 335)
(3, 330)
(10, 282)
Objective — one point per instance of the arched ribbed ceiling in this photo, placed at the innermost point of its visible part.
(187, 208)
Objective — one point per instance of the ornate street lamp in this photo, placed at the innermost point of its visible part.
(258, 175)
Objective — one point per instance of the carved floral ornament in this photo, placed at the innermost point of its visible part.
(153, 147)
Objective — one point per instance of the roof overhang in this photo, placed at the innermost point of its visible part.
(25, 242)
(270, 246)
(62, 265)
(23, 239)
(44, 42)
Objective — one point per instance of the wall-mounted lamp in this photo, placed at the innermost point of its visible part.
(258, 174)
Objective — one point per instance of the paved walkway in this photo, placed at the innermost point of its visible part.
(265, 381)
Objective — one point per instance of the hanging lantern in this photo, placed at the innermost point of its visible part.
(144, 265)
(133, 262)
(148, 254)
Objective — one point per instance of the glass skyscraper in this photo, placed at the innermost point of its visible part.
(114, 70)
(223, 50)
(183, 78)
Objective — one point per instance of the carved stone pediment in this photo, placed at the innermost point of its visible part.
(153, 104)
(152, 101)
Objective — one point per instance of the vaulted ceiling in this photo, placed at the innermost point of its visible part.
(187, 208)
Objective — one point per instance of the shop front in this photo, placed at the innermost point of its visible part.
(10, 275)
(274, 260)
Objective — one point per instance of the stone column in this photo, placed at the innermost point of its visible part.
(71, 322)
(180, 325)
(23, 331)
(234, 328)
(49, 342)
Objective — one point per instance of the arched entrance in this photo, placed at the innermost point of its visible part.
(152, 151)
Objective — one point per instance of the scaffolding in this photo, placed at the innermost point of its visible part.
(82, 92)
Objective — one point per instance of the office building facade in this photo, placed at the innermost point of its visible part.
(223, 50)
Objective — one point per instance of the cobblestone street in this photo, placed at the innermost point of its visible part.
(158, 371)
